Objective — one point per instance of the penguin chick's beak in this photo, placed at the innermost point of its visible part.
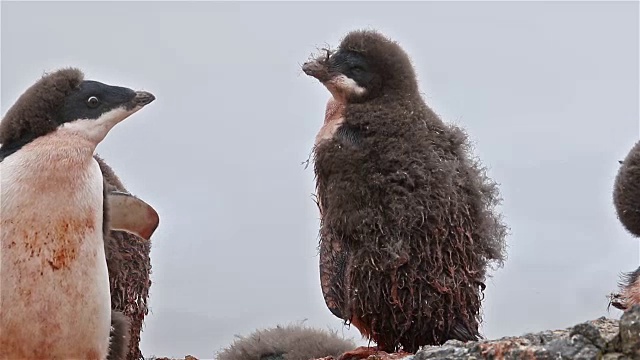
(142, 99)
(317, 69)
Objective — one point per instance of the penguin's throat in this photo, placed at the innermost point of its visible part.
(333, 118)
(67, 151)
(334, 110)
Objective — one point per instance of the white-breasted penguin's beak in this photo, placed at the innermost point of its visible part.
(141, 99)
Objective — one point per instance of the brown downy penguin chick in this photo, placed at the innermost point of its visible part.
(408, 219)
(128, 260)
(626, 199)
(55, 301)
(626, 191)
(293, 342)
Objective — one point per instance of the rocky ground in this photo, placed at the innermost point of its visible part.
(602, 339)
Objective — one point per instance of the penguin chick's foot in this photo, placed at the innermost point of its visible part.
(371, 353)
(618, 301)
(362, 352)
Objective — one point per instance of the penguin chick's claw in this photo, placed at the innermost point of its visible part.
(362, 352)
(617, 301)
(130, 214)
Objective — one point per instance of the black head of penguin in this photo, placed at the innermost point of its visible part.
(64, 97)
(366, 65)
(91, 100)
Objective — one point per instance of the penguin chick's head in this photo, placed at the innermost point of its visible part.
(64, 100)
(365, 66)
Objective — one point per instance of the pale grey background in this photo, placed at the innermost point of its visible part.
(549, 92)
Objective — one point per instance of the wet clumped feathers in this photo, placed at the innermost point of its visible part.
(293, 342)
(129, 267)
(414, 212)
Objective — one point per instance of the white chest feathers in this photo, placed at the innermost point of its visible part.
(54, 298)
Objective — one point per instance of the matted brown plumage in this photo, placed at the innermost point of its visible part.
(409, 224)
(129, 267)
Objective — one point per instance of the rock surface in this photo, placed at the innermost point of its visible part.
(599, 339)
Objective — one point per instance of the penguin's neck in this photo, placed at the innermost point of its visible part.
(59, 151)
(334, 110)
(333, 118)
(55, 164)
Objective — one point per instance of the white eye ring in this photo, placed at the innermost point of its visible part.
(93, 101)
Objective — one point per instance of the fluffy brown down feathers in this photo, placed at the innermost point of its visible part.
(293, 342)
(626, 199)
(408, 219)
(34, 112)
(626, 191)
(129, 267)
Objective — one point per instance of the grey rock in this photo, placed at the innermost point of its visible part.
(591, 332)
(615, 356)
(599, 339)
(630, 332)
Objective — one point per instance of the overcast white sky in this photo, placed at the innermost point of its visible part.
(548, 91)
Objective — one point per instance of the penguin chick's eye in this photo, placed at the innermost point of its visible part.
(357, 69)
(93, 102)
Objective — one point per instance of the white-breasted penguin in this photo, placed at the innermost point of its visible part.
(54, 300)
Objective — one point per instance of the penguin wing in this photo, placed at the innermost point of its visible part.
(349, 134)
(131, 214)
(334, 257)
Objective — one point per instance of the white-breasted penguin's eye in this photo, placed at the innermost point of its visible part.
(93, 102)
